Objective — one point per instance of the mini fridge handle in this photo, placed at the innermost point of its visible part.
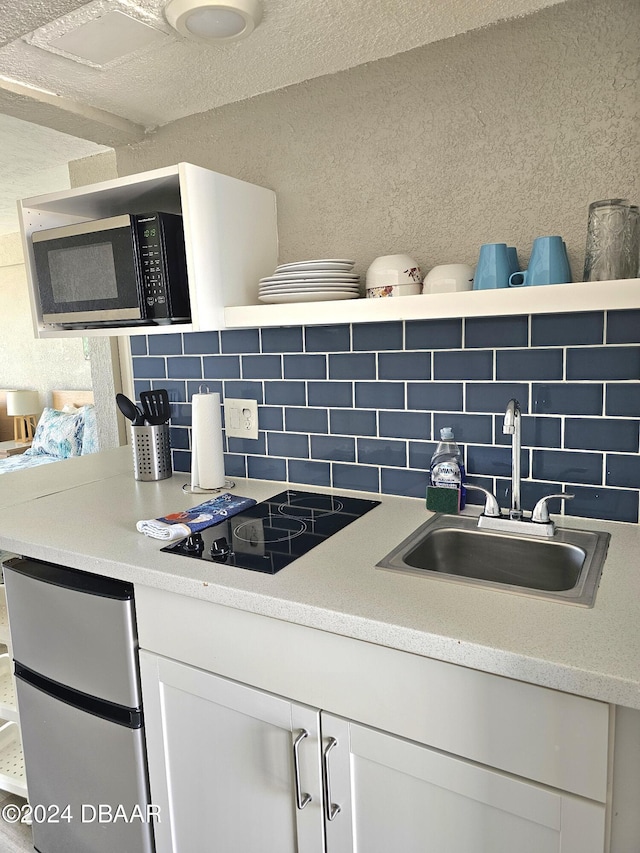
(71, 578)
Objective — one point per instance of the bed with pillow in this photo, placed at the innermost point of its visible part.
(66, 429)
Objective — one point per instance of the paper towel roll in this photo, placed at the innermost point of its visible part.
(207, 462)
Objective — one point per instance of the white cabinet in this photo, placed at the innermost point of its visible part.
(393, 794)
(236, 768)
(230, 234)
(226, 762)
(417, 741)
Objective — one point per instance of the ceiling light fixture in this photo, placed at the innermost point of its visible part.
(209, 21)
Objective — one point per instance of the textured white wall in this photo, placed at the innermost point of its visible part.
(26, 362)
(502, 134)
(105, 364)
(29, 362)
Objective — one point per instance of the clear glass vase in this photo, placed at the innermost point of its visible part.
(613, 240)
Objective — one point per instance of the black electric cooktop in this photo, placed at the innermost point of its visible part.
(272, 534)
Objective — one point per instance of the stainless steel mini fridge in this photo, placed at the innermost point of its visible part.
(79, 702)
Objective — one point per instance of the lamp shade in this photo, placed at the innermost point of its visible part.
(22, 403)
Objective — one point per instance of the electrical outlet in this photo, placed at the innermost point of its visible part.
(240, 418)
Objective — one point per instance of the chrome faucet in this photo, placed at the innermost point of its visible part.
(492, 518)
(513, 426)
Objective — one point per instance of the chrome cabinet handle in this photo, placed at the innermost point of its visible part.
(331, 809)
(302, 800)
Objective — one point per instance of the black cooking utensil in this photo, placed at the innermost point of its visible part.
(155, 405)
(130, 410)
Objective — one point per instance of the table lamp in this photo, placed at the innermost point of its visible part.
(22, 406)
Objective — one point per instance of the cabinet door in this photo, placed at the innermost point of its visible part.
(393, 794)
(224, 763)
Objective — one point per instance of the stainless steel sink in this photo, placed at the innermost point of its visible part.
(565, 568)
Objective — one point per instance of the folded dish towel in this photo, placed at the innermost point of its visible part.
(181, 524)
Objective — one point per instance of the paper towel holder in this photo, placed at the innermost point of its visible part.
(194, 486)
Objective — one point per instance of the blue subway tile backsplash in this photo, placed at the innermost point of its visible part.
(164, 344)
(623, 327)
(305, 366)
(404, 365)
(282, 339)
(549, 330)
(609, 362)
(336, 448)
(623, 471)
(481, 332)
(463, 364)
(285, 394)
(327, 338)
(380, 395)
(240, 340)
(567, 467)
(623, 400)
(529, 364)
(353, 422)
(221, 367)
(566, 398)
(433, 334)
(338, 394)
(311, 473)
(377, 336)
(352, 366)
(536, 432)
(202, 343)
(361, 407)
(309, 420)
(404, 424)
(435, 396)
(601, 434)
(288, 444)
(261, 367)
(185, 367)
(491, 396)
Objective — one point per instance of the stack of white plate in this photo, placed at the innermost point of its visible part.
(311, 281)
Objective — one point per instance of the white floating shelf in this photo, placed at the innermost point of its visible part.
(548, 299)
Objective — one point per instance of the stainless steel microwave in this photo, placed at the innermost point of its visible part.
(125, 270)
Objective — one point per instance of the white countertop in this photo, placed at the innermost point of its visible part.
(85, 517)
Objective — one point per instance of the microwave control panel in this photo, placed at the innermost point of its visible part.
(163, 275)
(154, 286)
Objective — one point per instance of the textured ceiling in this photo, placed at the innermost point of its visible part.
(297, 40)
(118, 102)
(34, 161)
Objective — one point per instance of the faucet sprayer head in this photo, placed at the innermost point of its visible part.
(513, 411)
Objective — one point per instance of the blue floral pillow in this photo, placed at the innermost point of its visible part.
(90, 434)
(58, 434)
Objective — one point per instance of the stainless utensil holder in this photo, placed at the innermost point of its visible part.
(151, 452)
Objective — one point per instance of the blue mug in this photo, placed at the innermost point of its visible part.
(548, 264)
(493, 268)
